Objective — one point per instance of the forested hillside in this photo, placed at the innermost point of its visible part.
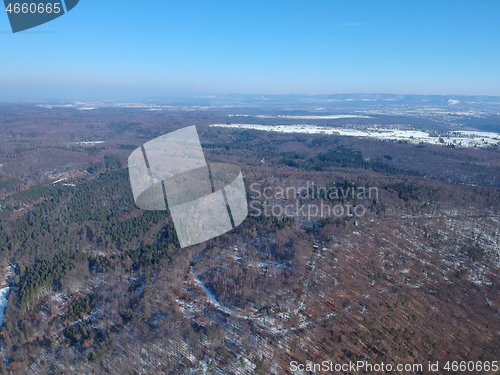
(100, 286)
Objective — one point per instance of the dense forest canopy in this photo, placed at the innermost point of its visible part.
(96, 282)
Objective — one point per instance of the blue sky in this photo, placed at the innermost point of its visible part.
(110, 49)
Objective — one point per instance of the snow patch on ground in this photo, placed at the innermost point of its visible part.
(4, 292)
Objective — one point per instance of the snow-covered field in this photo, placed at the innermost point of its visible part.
(325, 117)
(89, 143)
(458, 138)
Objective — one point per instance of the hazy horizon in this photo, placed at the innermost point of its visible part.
(124, 98)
